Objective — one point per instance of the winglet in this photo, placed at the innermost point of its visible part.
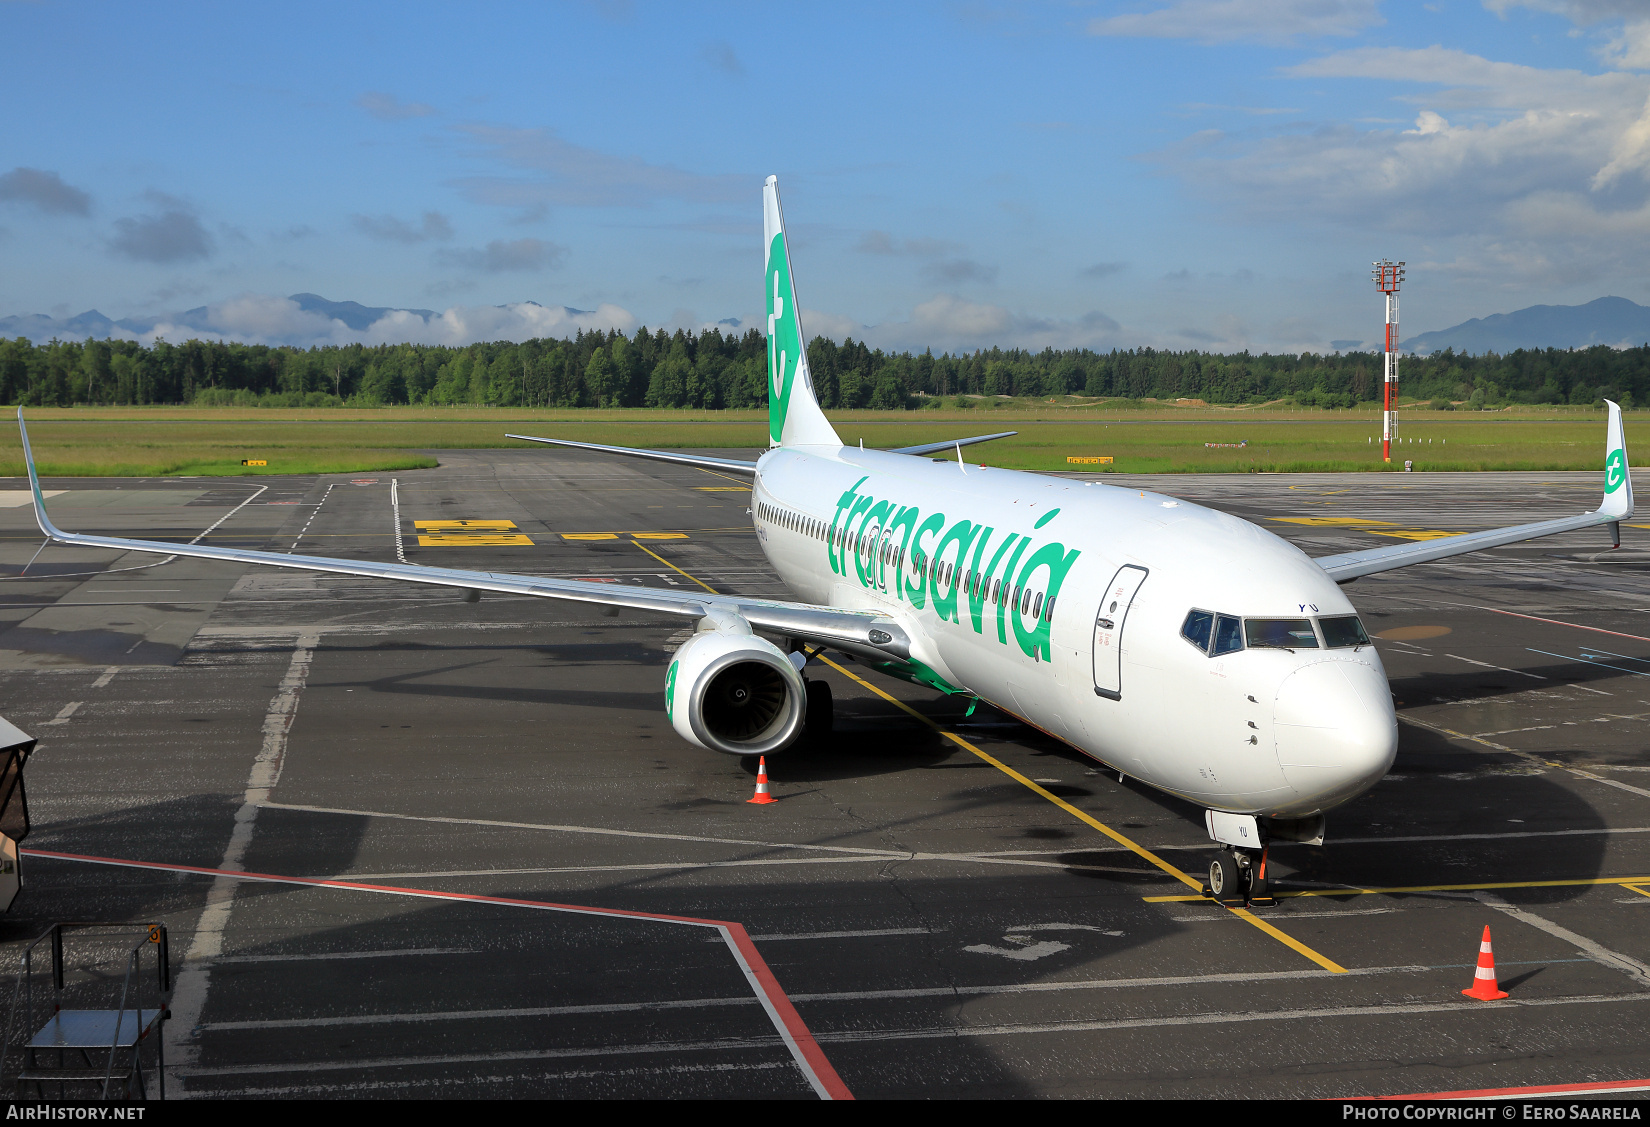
(1618, 478)
(46, 525)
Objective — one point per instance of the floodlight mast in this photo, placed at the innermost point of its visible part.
(1388, 277)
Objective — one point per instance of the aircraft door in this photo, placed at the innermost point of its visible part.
(1108, 631)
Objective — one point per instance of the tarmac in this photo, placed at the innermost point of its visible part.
(955, 906)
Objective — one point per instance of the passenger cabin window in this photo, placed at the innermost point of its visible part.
(1338, 633)
(1280, 633)
(1198, 628)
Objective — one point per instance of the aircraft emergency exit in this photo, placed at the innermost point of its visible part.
(1188, 648)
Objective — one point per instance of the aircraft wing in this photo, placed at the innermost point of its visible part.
(1616, 506)
(726, 465)
(931, 447)
(857, 632)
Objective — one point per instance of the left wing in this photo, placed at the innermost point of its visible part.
(860, 633)
(1617, 506)
(930, 447)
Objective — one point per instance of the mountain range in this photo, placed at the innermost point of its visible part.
(1614, 321)
(38, 327)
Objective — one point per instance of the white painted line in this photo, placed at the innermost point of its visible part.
(852, 934)
(1589, 661)
(195, 976)
(108, 675)
(757, 862)
(601, 830)
(835, 996)
(743, 1045)
(1500, 668)
(1634, 969)
(1617, 783)
(1098, 984)
(1463, 1008)
(402, 1085)
(329, 956)
(64, 713)
(477, 1015)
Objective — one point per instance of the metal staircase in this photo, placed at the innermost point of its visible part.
(76, 1048)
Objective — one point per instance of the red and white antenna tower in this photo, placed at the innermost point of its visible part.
(1388, 277)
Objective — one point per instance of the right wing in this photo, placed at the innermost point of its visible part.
(839, 629)
(727, 465)
(1617, 506)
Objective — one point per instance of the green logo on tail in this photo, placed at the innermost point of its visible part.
(1615, 470)
(784, 338)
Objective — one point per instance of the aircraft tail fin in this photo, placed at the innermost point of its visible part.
(794, 414)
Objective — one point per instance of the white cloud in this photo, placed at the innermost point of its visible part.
(267, 319)
(499, 256)
(45, 190)
(578, 176)
(947, 322)
(388, 228)
(387, 107)
(1505, 167)
(1265, 21)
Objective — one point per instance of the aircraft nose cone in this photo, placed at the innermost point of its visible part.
(1335, 729)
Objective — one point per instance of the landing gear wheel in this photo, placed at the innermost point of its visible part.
(1226, 879)
(820, 714)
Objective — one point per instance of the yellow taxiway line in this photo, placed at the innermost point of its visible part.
(1135, 847)
(1473, 886)
(673, 567)
(1140, 850)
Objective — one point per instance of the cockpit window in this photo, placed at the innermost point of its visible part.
(1280, 633)
(1341, 632)
(1197, 628)
(1228, 635)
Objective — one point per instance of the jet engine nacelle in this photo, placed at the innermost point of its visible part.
(731, 691)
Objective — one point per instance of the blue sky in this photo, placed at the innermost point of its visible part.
(1175, 173)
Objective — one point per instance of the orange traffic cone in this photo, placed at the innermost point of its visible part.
(1484, 986)
(762, 797)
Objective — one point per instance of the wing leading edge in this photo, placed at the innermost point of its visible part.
(817, 624)
(1616, 506)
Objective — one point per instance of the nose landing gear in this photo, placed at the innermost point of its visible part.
(1238, 878)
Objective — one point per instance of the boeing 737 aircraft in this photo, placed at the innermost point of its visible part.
(1188, 648)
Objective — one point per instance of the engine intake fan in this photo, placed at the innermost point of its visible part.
(734, 692)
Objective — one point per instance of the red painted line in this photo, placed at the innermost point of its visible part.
(1559, 622)
(804, 1049)
(1599, 1086)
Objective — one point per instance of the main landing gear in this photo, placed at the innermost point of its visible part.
(820, 715)
(1238, 878)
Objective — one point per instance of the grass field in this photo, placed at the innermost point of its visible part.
(177, 441)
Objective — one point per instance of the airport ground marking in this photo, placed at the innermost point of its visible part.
(1528, 757)
(1592, 1088)
(897, 993)
(673, 567)
(1470, 886)
(1133, 847)
(1638, 971)
(803, 1046)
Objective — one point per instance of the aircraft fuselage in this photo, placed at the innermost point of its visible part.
(969, 559)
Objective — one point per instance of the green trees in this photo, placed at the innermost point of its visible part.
(714, 370)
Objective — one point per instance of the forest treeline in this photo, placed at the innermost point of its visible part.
(713, 370)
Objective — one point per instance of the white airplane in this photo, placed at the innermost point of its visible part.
(1188, 648)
